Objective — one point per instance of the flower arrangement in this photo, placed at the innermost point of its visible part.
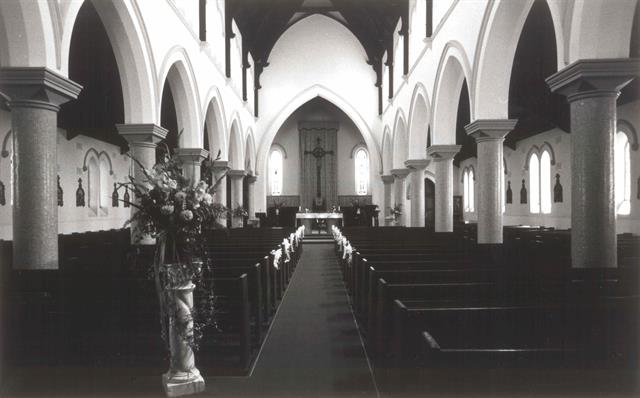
(175, 212)
(396, 211)
(240, 211)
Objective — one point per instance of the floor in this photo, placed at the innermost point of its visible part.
(314, 348)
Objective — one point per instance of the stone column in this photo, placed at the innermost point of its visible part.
(416, 167)
(489, 134)
(400, 176)
(34, 96)
(191, 161)
(592, 87)
(443, 155)
(220, 167)
(142, 139)
(251, 193)
(236, 195)
(388, 180)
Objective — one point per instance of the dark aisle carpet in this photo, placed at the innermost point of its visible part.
(314, 348)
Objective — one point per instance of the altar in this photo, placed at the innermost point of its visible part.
(318, 220)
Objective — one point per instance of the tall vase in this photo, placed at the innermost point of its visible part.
(176, 304)
(183, 378)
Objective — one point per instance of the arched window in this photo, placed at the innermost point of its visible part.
(275, 172)
(545, 182)
(540, 183)
(468, 194)
(503, 191)
(622, 168)
(105, 186)
(362, 171)
(534, 184)
(93, 179)
(465, 189)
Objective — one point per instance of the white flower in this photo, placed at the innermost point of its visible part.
(186, 215)
(180, 196)
(207, 198)
(167, 209)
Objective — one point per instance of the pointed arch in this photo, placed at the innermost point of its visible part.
(28, 34)
(131, 48)
(387, 151)
(600, 29)
(216, 123)
(419, 118)
(178, 71)
(236, 150)
(304, 97)
(250, 153)
(498, 39)
(399, 142)
(453, 70)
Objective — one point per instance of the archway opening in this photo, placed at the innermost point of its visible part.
(92, 63)
(429, 205)
(168, 120)
(530, 99)
(463, 118)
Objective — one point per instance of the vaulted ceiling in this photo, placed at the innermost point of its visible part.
(263, 22)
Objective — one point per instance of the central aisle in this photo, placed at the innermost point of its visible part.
(314, 348)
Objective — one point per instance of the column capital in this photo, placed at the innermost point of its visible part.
(37, 87)
(387, 179)
(594, 77)
(490, 129)
(143, 134)
(220, 165)
(191, 155)
(236, 174)
(400, 174)
(443, 152)
(251, 179)
(416, 164)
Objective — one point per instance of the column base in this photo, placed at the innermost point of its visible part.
(177, 384)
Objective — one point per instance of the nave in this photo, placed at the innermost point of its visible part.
(314, 347)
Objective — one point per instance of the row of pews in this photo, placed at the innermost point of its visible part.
(429, 301)
(100, 307)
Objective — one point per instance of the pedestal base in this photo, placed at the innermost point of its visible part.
(179, 384)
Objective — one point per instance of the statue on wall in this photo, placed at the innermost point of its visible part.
(80, 194)
(127, 197)
(509, 193)
(523, 193)
(3, 200)
(60, 194)
(115, 198)
(557, 190)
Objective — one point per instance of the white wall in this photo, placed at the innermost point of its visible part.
(560, 216)
(71, 154)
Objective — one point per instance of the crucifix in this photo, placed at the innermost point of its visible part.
(318, 153)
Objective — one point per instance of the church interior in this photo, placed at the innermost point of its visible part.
(319, 198)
